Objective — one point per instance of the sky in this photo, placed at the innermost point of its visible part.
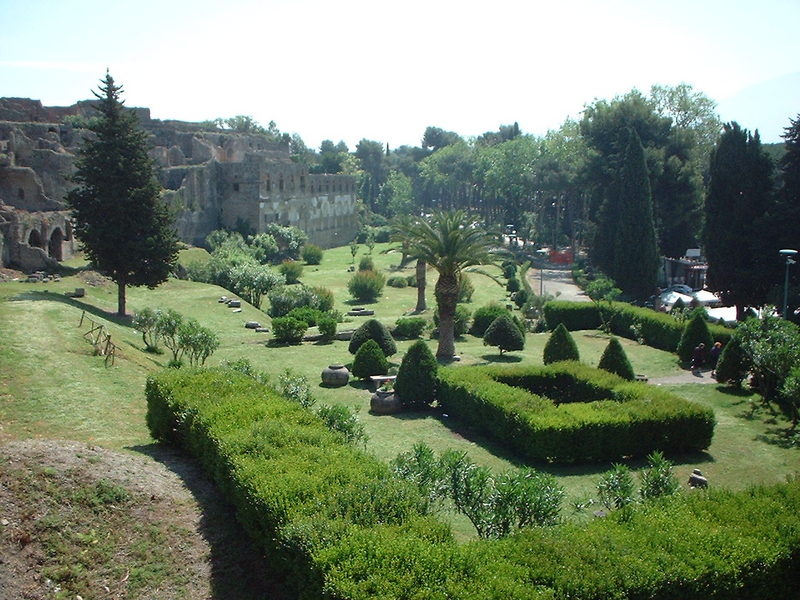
(385, 70)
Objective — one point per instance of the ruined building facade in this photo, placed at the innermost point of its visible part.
(212, 179)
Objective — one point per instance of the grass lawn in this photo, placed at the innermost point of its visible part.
(51, 384)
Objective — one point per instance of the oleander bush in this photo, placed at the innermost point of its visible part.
(312, 254)
(288, 330)
(340, 525)
(568, 413)
(291, 270)
(310, 316)
(366, 286)
(327, 327)
(397, 281)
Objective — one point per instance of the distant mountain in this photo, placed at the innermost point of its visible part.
(766, 106)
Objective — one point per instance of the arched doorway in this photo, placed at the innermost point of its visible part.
(35, 239)
(54, 247)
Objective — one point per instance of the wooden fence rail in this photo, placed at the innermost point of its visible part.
(100, 338)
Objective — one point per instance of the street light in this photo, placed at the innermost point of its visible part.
(787, 253)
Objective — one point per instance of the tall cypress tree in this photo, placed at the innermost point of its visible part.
(124, 228)
(634, 267)
(741, 264)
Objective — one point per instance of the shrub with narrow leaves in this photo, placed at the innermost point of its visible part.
(615, 487)
(366, 286)
(657, 479)
(289, 330)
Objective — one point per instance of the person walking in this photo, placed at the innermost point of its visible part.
(713, 357)
(698, 357)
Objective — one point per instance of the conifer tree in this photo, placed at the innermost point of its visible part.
(416, 381)
(560, 346)
(124, 228)
(614, 360)
(505, 334)
(635, 262)
(695, 332)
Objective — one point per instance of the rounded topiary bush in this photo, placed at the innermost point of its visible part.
(504, 334)
(288, 330)
(485, 316)
(409, 327)
(312, 254)
(732, 366)
(366, 286)
(614, 360)
(373, 330)
(398, 281)
(416, 379)
(560, 346)
(695, 332)
(460, 322)
(370, 360)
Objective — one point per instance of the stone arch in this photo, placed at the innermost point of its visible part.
(35, 239)
(55, 247)
(68, 232)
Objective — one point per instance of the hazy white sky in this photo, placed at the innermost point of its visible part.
(385, 70)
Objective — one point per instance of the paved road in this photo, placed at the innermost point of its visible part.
(556, 281)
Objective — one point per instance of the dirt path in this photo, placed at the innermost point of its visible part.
(704, 377)
(557, 281)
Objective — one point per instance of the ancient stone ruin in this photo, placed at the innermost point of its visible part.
(212, 178)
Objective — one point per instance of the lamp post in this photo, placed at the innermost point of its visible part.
(788, 254)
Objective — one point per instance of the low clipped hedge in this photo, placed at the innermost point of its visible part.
(568, 413)
(341, 527)
(657, 329)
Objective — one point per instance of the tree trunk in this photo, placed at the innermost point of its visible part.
(446, 300)
(422, 267)
(121, 298)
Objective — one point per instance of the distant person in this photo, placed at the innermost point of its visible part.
(698, 357)
(713, 357)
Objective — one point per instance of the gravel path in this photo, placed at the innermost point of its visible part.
(556, 281)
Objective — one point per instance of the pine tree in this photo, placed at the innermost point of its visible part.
(741, 264)
(635, 262)
(370, 360)
(124, 228)
(416, 381)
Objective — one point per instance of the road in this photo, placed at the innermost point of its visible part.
(557, 281)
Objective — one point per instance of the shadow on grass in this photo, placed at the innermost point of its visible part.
(501, 358)
(239, 568)
(36, 296)
(780, 436)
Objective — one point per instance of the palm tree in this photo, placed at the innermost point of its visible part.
(447, 243)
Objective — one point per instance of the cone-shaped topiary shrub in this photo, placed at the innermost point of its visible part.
(695, 332)
(370, 360)
(614, 360)
(560, 346)
(373, 330)
(732, 366)
(416, 379)
(504, 334)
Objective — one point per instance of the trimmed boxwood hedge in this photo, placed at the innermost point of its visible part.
(657, 329)
(341, 527)
(567, 412)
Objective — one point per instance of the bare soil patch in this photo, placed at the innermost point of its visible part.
(78, 520)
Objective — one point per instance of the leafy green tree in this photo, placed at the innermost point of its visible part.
(416, 381)
(253, 281)
(446, 244)
(436, 138)
(145, 322)
(504, 334)
(740, 265)
(124, 227)
(196, 342)
(396, 195)
(603, 292)
(168, 327)
(732, 366)
(560, 346)
(791, 394)
(614, 360)
(771, 346)
(695, 332)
